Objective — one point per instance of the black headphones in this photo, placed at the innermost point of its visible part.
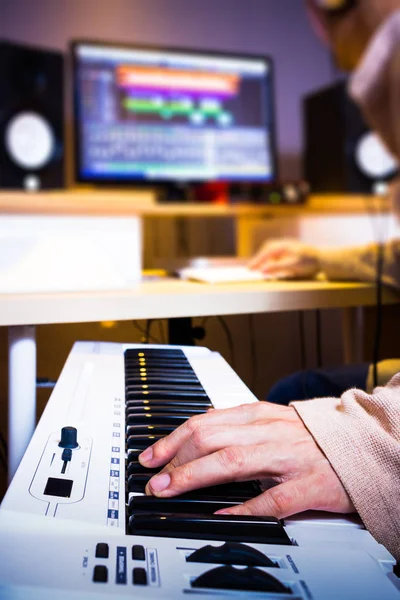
(335, 7)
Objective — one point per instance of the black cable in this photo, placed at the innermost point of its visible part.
(161, 331)
(3, 453)
(149, 323)
(182, 238)
(380, 261)
(144, 334)
(229, 339)
(204, 321)
(3, 462)
(3, 443)
(303, 358)
(318, 338)
(302, 338)
(253, 353)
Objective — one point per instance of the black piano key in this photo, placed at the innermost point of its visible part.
(166, 405)
(158, 362)
(160, 407)
(164, 375)
(141, 442)
(158, 365)
(236, 498)
(262, 530)
(179, 504)
(145, 351)
(181, 379)
(149, 429)
(184, 411)
(164, 387)
(204, 404)
(132, 456)
(163, 418)
(140, 367)
(150, 379)
(157, 358)
(228, 491)
(137, 482)
(166, 394)
(134, 467)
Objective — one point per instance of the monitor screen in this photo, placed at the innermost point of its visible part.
(163, 115)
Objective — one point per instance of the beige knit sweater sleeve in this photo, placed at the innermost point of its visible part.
(360, 435)
(360, 263)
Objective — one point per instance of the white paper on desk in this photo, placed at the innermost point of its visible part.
(47, 266)
(228, 274)
(68, 254)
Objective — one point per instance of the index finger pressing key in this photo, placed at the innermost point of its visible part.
(165, 449)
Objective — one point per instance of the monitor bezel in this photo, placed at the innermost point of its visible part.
(156, 183)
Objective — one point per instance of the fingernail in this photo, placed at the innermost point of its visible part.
(146, 456)
(222, 512)
(160, 482)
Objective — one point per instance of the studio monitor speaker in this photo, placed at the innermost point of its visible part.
(341, 153)
(31, 117)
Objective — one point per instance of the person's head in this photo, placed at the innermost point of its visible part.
(348, 25)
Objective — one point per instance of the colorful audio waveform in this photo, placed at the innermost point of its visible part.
(148, 78)
(166, 109)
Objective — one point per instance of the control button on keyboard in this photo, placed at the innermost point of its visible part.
(138, 553)
(102, 551)
(100, 574)
(139, 576)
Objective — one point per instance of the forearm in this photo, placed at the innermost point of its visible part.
(360, 435)
(360, 264)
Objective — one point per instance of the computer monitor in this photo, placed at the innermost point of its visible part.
(152, 115)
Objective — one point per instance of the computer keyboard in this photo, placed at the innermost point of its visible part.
(223, 274)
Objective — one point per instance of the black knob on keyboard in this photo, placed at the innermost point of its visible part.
(250, 579)
(68, 438)
(231, 553)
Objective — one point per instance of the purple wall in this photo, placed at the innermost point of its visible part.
(275, 27)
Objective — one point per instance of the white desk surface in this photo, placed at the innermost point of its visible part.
(171, 298)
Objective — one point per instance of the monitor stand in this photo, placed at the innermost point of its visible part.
(212, 192)
(176, 192)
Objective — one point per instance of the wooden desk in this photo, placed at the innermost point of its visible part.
(142, 203)
(166, 298)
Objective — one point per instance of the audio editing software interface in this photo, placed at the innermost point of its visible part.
(146, 114)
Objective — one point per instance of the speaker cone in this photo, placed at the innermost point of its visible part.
(29, 140)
